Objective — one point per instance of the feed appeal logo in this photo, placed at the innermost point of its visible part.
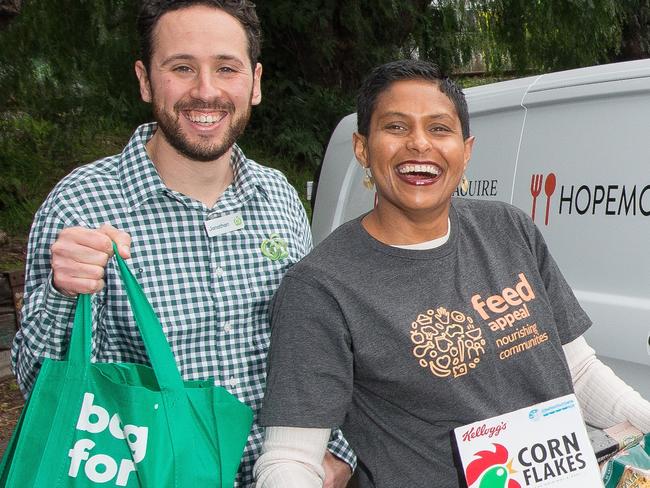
(508, 316)
(98, 467)
(447, 342)
(450, 343)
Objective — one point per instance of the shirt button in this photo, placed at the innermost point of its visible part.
(219, 272)
(227, 327)
(233, 382)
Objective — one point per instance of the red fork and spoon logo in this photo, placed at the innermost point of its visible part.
(536, 190)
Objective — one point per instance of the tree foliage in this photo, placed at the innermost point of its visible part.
(66, 67)
(544, 35)
(335, 42)
(70, 56)
(66, 83)
(316, 53)
(634, 18)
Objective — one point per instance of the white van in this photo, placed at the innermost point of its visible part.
(573, 150)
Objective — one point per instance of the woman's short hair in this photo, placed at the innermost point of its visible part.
(382, 77)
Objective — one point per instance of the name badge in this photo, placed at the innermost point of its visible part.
(223, 225)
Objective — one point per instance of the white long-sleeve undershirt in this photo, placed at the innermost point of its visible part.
(292, 457)
(605, 399)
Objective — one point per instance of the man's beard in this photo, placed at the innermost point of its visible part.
(205, 150)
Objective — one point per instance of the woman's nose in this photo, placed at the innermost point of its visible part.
(419, 140)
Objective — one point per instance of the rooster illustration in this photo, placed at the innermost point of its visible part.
(491, 470)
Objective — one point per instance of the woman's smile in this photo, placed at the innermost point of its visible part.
(419, 173)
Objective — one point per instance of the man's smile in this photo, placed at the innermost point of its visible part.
(205, 118)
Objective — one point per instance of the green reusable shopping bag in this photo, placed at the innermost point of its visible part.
(120, 424)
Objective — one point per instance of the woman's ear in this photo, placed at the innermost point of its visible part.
(469, 146)
(360, 146)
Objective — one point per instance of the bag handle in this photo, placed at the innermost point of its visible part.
(160, 354)
(78, 355)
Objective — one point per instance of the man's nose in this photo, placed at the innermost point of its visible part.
(206, 86)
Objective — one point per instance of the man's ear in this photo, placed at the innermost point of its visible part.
(143, 80)
(256, 96)
(360, 146)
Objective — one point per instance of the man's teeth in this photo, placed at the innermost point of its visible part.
(419, 168)
(204, 119)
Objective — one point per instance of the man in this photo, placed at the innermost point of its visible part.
(208, 232)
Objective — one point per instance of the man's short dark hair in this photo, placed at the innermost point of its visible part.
(242, 10)
(382, 77)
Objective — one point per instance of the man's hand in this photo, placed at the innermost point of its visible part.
(337, 472)
(79, 256)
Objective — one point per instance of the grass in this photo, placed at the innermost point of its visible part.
(7, 266)
(12, 252)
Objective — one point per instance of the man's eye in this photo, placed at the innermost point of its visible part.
(440, 128)
(395, 127)
(226, 69)
(183, 69)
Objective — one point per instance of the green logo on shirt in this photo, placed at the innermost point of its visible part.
(274, 248)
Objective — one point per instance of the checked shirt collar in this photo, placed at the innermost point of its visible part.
(141, 181)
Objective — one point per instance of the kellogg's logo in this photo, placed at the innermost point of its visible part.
(484, 430)
(491, 470)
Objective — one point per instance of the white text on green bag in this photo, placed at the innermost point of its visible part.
(101, 468)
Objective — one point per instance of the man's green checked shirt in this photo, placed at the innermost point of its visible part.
(210, 293)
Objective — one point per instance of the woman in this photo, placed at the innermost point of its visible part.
(400, 326)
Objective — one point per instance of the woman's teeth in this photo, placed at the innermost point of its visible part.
(419, 168)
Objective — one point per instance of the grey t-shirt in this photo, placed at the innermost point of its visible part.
(398, 347)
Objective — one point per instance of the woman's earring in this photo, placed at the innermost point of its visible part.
(368, 180)
(464, 184)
